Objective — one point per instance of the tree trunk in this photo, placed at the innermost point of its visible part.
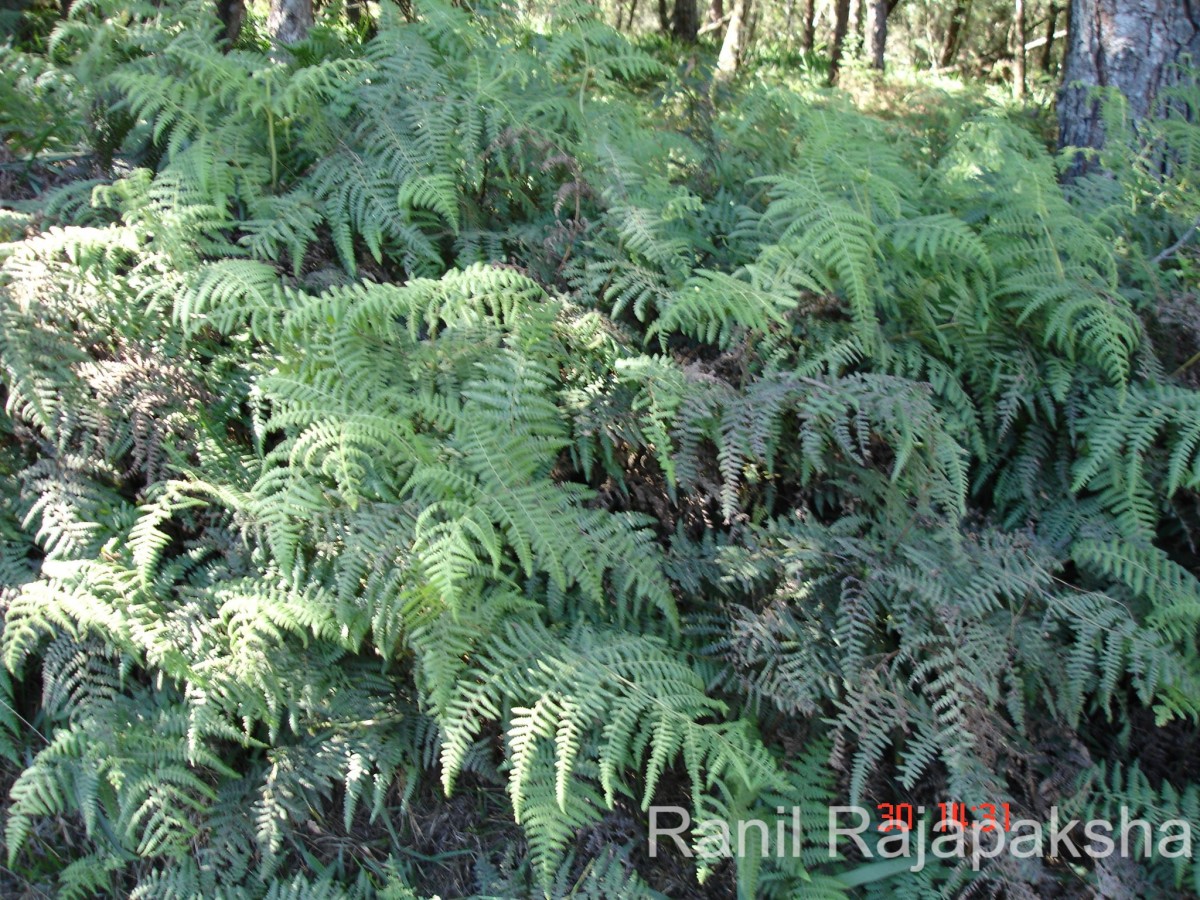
(716, 12)
(810, 23)
(231, 13)
(289, 20)
(360, 19)
(731, 47)
(841, 21)
(686, 24)
(1019, 52)
(954, 32)
(1051, 21)
(854, 30)
(633, 5)
(877, 16)
(1125, 45)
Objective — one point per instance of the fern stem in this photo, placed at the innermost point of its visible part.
(1192, 360)
(271, 139)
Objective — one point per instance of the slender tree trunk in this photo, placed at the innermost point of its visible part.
(686, 24)
(731, 46)
(360, 16)
(954, 32)
(231, 13)
(288, 21)
(633, 5)
(877, 16)
(1126, 45)
(854, 30)
(810, 23)
(841, 21)
(1019, 51)
(664, 23)
(1047, 48)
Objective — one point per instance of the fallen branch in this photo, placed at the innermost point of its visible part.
(1175, 247)
(1034, 44)
(714, 25)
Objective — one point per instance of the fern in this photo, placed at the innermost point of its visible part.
(458, 436)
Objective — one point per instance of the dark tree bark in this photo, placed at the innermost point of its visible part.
(877, 16)
(664, 21)
(633, 6)
(685, 24)
(810, 21)
(1048, 47)
(954, 32)
(1127, 45)
(231, 13)
(288, 21)
(1019, 50)
(841, 22)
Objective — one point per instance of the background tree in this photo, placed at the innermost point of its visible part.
(731, 46)
(808, 35)
(1045, 58)
(959, 15)
(289, 20)
(685, 22)
(1130, 46)
(715, 16)
(841, 24)
(231, 13)
(877, 30)
(1019, 49)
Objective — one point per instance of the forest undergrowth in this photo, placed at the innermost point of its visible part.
(427, 450)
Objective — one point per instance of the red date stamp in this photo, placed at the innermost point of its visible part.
(951, 815)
